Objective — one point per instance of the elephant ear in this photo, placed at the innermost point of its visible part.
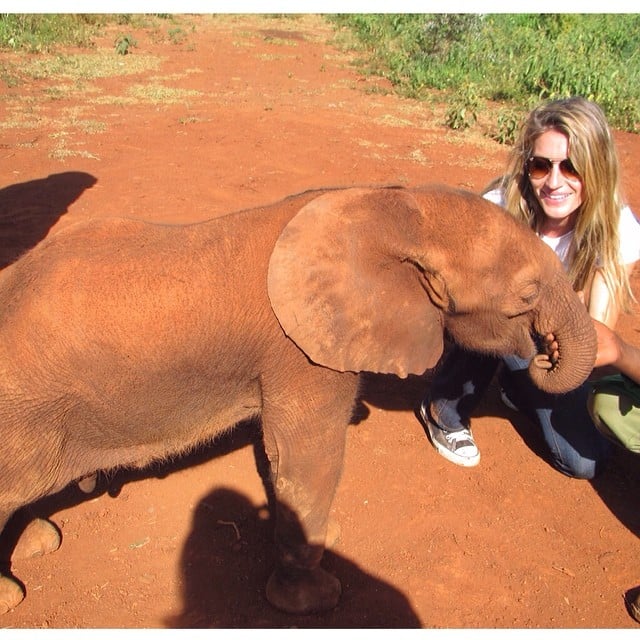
(344, 289)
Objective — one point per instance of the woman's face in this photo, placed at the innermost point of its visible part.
(560, 196)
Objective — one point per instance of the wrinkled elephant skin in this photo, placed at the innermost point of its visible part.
(122, 341)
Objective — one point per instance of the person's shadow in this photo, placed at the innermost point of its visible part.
(226, 562)
(29, 209)
(230, 554)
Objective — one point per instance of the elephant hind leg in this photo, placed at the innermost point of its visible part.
(11, 592)
(40, 537)
(21, 540)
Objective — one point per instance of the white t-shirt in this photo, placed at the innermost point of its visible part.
(629, 231)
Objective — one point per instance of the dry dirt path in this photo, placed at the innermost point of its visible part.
(218, 114)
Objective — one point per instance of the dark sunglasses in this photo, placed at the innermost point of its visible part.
(538, 168)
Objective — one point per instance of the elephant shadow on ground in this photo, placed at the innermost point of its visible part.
(112, 483)
(227, 560)
(29, 209)
(391, 393)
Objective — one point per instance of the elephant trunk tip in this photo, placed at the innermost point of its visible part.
(563, 372)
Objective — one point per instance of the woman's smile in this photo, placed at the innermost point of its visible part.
(559, 196)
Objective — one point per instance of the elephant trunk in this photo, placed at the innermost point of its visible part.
(568, 320)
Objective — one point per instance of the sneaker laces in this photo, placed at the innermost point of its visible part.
(460, 438)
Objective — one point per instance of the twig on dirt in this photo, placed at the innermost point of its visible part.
(564, 570)
(604, 554)
(231, 524)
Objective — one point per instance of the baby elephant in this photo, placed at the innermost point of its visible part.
(122, 342)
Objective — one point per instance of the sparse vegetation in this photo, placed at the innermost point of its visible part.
(43, 32)
(488, 69)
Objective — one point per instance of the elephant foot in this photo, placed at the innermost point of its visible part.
(303, 591)
(11, 594)
(39, 538)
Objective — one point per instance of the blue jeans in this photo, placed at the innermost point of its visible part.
(577, 448)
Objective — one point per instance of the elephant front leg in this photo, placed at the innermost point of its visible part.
(305, 441)
(299, 584)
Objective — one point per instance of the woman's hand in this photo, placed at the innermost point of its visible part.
(609, 347)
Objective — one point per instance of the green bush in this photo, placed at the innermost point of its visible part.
(511, 58)
(40, 32)
(463, 108)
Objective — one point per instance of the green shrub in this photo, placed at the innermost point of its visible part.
(508, 124)
(463, 108)
(123, 44)
(512, 58)
(40, 32)
(43, 31)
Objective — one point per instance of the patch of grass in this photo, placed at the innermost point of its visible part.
(42, 32)
(55, 40)
(88, 66)
(157, 93)
(177, 35)
(510, 59)
(272, 57)
(280, 40)
(61, 150)
(72, 119)
(9, 75)
(393, 121)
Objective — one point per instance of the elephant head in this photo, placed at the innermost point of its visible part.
(370, 279)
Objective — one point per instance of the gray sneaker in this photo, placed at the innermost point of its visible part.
(632, 599)
(456, 446)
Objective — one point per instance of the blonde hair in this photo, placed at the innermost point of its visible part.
(592, 151)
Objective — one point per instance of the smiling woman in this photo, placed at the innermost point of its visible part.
(559, 191)
(581, 215)
(562, 181)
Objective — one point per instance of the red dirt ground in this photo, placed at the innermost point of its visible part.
(511, 543)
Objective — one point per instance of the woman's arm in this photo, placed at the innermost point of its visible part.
(613, 350)
(601, 307)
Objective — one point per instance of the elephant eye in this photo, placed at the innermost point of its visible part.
(530, 291)
(525, 300)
